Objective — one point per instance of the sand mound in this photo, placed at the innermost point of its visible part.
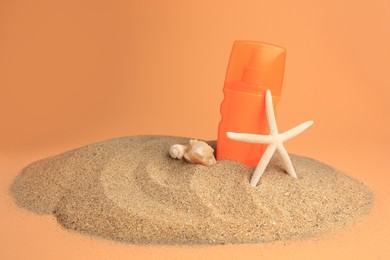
(129, 189)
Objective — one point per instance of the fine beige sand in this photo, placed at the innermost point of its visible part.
(129, 189)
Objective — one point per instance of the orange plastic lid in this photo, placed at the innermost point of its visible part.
(259, 65)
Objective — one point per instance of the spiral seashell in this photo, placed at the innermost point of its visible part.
(177, 151)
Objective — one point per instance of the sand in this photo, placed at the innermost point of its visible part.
(129, 189)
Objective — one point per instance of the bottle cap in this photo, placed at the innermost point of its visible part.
(259, 65)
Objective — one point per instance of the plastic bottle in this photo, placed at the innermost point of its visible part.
(253, 68)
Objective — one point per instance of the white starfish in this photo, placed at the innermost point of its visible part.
(274, 141)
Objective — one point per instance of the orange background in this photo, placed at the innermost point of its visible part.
(77, 72)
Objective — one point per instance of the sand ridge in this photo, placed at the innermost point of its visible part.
(129, 189)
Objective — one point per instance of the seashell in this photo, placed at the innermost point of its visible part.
(177, 151)
(199, 152)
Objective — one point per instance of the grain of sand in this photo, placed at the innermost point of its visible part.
(129, 189)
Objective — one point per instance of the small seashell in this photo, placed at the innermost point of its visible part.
(200, 152)
(177, 151)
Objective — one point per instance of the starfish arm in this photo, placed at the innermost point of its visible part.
(295, 131)
(249, 138)
(269, 111)
(286, 161)
(260, 168)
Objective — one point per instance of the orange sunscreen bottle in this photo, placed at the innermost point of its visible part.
(253, 68)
